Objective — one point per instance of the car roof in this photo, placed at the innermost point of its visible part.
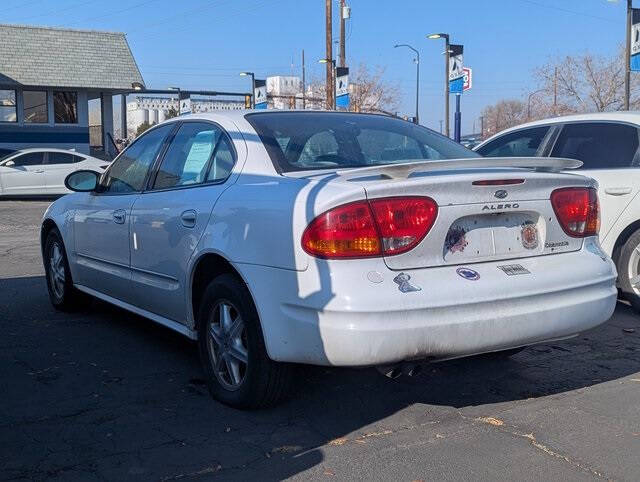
(619, 116)
(48, 149)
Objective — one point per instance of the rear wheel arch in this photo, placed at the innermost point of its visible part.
(622, 239)
(206, 269)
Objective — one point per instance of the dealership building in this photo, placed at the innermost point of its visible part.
(49, 76)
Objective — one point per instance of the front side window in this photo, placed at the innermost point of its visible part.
(198, 153)
(128, 171)
(61, 158)
(524, 143)
(35, 106)
(65, 107)
(599, 145)
(8, 106)
(320, 140)
(29, 159)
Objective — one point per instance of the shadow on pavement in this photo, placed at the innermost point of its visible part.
(106, 394)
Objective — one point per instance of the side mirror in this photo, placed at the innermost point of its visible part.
(9, 164)
(82, 181)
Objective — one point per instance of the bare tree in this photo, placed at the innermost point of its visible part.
(583, 83)
(371, 93)
(368, 91)
(502, 115)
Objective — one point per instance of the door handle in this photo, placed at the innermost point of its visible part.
(188, 218)
(618, 191)
(119, 216)
(39, 171)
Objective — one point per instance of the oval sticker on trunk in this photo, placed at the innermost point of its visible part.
(468, 274)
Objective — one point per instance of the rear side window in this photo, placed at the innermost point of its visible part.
(523, 143)
(599, 145)
(299, 141)
(61, 158)
(199, 152)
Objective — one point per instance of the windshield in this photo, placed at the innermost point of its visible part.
(298, 141)
(5, 154)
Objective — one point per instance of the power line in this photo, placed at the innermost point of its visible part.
(566, 10)
(20, 6)
(114, 12)
(53, 12)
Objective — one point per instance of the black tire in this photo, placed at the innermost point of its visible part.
(63, 295)
(264, 382)
(623, 265)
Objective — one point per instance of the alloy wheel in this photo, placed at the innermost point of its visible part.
(56, 269)
(227, 344)
(633, 270)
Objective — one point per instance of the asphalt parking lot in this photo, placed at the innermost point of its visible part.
(106, 395)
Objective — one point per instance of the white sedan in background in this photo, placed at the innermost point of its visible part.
(329, 238)
(42, 171)
(608, 145)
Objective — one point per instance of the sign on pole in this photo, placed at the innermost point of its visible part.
(185, 106)
(634, 48)
(342, 87)
(467, 78)
(456, 73)
(260, 94)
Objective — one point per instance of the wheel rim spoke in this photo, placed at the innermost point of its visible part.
(227, 345)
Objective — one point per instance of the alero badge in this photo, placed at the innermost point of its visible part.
(529, 236)
(468, 274)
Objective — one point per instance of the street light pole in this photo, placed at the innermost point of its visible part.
(253, 87)
(529, 101)
(445, 36)
(417, 119)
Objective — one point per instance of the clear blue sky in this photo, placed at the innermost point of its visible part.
(203, 44)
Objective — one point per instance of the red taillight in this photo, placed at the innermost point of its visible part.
(578, 210)
(379, 227)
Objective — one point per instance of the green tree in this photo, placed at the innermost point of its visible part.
(143, 127)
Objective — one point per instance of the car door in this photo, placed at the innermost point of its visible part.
(23, 174)
(101, 220)
(608, 151)
(58, 165)
(521, 143)
(169, 218)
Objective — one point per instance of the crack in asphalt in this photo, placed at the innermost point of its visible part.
(504, 428)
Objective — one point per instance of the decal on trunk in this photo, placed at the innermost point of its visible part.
(514, 269)
(404, 285)
(468, 274)
(456, 240)
(529, 235)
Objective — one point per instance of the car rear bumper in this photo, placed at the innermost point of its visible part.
(352, 313)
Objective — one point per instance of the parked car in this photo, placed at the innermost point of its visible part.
(41, 171)
(607, 144)
(329, 238)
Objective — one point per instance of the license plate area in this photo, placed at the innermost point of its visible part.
(494, 236)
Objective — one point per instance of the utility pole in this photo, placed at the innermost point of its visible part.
(481, 127)
(329, 53)
(304, 87)
(342, 47)
(440, 126)
(627, 57)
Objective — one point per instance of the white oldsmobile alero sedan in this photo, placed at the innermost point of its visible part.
(327, 238)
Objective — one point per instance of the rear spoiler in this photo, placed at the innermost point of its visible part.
(405, 169)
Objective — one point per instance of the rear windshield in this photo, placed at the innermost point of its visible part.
(298, 141)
